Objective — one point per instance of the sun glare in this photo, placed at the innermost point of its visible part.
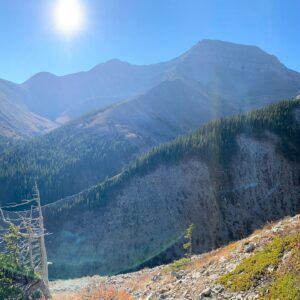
(68, 16)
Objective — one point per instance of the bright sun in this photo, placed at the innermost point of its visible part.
(69, 16)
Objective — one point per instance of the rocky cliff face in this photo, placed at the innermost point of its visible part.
(149, 216)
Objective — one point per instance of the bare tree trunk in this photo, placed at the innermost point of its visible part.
(44, 261)
(30, 242)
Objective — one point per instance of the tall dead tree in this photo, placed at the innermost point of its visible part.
(41, 238)
(31, 245)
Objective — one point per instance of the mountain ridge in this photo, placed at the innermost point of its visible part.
(228, 70)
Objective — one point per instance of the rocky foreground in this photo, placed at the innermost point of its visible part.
(265, 265)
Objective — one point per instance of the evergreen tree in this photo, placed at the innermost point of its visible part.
(188, 245)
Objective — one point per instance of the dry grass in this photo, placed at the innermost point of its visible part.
(263, 233)
(205, 259)
(95, 294)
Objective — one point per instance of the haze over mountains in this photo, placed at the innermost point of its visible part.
(85, 151)
(232, 77)
(155, 104)
(16, 120)
(227, 71)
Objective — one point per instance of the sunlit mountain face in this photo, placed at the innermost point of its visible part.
(241, 76)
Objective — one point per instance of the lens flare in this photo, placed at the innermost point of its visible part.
(68, 16)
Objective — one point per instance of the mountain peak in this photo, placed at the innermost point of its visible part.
(41, 76)
(116, 61)
(221, 44)
(233, 55)
(112, 63)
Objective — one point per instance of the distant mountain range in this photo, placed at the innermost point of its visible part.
(230, 77)
(142, 107)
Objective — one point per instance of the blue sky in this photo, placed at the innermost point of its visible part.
(140, 31)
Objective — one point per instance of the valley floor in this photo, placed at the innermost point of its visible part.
(202, 277)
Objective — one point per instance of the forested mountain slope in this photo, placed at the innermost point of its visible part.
(84, 152)
(245, 77)
(228, 178)
(87, 150)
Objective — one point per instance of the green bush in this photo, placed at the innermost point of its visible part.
(283, 282)
(178, 264)
(13, 274)
(8, 290)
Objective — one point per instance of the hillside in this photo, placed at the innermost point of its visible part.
(245, 77)
(206, 276)
(17, 122)
(228, 178)
(98, 145)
